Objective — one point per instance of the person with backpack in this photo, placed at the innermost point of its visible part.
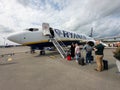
(88, 49)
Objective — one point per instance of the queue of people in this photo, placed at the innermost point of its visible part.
(75, 51)
(98, 49)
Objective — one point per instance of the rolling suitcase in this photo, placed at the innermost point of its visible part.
(42, 52)
(81, 61)
(105, 64)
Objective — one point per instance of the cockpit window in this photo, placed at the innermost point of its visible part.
(32, 29)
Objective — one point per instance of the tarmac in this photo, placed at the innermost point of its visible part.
(20, 70)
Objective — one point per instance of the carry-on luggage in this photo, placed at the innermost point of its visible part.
(105, 64)
(81, 61)
(68, 57)
(42, 52)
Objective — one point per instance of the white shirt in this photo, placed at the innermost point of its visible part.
(77, 49)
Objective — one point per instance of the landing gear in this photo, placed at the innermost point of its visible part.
(42, 52)
(32, 51)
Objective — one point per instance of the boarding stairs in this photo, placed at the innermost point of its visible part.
(59, 46)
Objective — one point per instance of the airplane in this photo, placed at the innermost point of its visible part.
(38, 38)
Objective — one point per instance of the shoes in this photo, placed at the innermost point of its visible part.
(77, 61)
(90, 63)
(97, 70)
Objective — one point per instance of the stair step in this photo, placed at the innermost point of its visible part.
(59, 47)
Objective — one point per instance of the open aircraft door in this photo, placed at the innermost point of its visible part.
(45, 28)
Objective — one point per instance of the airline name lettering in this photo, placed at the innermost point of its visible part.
(62, 33)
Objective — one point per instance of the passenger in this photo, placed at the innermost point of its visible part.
(72, 50)
(118, 44)
(51, 32)
(117, 50)
(88, 49)
(99, 48)
(77, 52)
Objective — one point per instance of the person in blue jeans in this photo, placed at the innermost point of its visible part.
(88, 49)
(77, 52)
(88, 56)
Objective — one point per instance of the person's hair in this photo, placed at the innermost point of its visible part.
(76, 43)
(50, 28)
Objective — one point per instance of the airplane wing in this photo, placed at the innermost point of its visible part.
(106, 38)
(109, 39)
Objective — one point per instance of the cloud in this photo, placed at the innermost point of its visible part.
(92, 10)
(5, 30)
(76, 15)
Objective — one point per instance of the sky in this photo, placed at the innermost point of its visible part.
(71, 15)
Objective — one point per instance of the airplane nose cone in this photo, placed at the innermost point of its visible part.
(11, 38)
(14, 38)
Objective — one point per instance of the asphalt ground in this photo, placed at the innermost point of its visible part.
(25, 71)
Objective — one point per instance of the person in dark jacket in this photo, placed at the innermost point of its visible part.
(51, 32)
(99, 48)
(72, 49)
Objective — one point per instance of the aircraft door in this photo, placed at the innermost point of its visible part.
(45, 28)
(51, 32)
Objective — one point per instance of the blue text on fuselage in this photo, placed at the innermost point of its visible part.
(66, 34)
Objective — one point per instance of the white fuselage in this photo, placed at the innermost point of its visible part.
(28, 37)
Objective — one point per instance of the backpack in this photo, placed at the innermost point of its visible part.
(88, 48)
